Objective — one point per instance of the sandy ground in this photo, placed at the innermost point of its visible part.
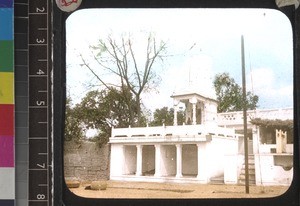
(116, 189)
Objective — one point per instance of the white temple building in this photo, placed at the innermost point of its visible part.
(179, 152)
(208, 148)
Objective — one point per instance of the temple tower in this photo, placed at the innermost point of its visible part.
(198, 108)
(198, 94)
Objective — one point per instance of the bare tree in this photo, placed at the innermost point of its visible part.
(123, 60)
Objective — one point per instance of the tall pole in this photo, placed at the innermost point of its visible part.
(245, 118)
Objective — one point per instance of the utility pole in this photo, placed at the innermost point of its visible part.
(245, 118)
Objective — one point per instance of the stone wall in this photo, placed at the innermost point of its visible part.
(86, 161)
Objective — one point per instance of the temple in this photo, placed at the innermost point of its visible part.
(176, 152)
(209, 146)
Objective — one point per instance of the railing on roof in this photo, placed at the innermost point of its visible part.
(173, 131)
(236, 118)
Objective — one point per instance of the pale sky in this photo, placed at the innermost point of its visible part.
(201, 42)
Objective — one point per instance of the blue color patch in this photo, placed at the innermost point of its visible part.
(6, 3)
(6, 23)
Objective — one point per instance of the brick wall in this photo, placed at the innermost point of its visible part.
(86, 161)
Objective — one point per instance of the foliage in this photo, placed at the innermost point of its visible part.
(100, 110)
(166, 116)
(73, 124)
(275, 124)
(230, 94)
(105, 109)
(119, 57)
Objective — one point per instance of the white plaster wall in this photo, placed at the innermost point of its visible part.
(266, 148)
(116, 160)
(217, 149)
(189, 159)
(230, 170)
(210, 112)
(241, 147)
(267, 173)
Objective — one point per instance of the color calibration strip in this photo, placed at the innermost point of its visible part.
(7, 162)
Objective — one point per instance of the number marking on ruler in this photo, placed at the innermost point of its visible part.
(39, 68)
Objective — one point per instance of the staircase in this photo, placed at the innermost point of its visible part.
(251, 166)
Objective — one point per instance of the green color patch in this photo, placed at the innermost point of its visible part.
(6, 56)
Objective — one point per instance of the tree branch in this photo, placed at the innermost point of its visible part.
(91, 70)
(135, 65)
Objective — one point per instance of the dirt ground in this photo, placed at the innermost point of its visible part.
(117, 189)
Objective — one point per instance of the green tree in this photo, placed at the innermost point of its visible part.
(73, 125)
(120, 57)
(104, 109)
(230, 94)
(166, 116)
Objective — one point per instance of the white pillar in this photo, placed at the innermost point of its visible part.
(178, 160)
(284, 141)
(139, 162)
(281, 139)
(122, 159)
(194, 113)
(117, 160)
(175, 116)
(204, 113)
(256, 139)
(202, 163)
(157, 160)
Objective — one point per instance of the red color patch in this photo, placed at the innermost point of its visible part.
(6, 119)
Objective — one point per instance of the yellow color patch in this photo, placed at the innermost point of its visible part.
(6, 88)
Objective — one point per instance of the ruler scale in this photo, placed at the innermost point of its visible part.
(21, 94)
(39, 45)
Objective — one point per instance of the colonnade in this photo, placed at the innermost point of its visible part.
(167, 157)
(196, 108)
(193, 116)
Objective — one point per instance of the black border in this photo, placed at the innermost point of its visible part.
(63, 196)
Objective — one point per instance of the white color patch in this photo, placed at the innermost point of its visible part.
(7, 182)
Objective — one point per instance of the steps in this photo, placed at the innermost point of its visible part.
(251, 167)
(217, 180)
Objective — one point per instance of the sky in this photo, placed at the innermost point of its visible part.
(200, 44)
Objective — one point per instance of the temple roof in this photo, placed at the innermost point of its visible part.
(189, 95)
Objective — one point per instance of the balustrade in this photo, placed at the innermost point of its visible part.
(172, 131)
